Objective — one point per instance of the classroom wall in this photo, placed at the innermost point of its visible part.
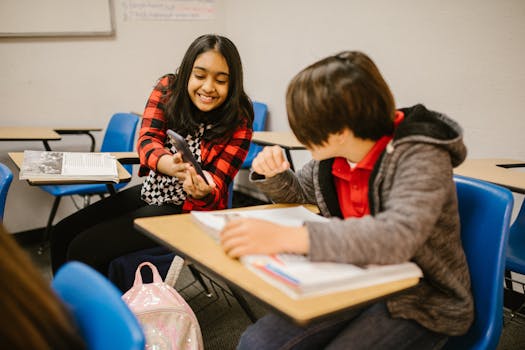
(72, 81)
(463, 58)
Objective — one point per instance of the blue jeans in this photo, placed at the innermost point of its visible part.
(369, 329)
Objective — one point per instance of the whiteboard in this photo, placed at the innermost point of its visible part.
(28, 18)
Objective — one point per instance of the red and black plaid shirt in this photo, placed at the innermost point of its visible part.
(222, 160)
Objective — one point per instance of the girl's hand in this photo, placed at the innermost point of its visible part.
(194, 184)
(254, 236)
(270, 161)
(172, 165)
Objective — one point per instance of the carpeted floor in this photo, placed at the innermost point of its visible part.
(220, 316)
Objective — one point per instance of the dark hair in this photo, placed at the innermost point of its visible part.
(341, 91)
(33, 317)
(181, 113)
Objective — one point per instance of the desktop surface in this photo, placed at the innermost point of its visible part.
(183, 235)
(508, 173)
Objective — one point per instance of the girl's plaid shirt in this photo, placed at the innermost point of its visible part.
(221, 159)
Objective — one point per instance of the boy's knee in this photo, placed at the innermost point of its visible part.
(261, 335)
(244, 342)
(251, 339)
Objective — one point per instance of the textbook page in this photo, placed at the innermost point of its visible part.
(298, 277)
(213, 222)
(69, 166)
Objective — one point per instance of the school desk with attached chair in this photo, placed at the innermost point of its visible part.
(124, 177)
(28, 133)
(193, 244)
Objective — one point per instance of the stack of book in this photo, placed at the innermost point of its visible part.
(296, 275)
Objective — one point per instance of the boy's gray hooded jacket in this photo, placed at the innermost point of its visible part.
(414, 216)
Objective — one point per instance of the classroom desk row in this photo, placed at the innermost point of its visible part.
(192, 243)
(43, 134)
(505, 172)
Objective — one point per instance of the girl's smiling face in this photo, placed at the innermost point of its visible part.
(209, 81)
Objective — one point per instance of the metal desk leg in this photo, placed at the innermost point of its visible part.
(92, 149)
(47, 233)
(46, 145)
(243, 303)
(111, 189)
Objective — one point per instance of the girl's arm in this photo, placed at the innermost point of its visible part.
(222, 162)
(152, 134)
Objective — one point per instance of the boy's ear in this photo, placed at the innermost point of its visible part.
(343, 135)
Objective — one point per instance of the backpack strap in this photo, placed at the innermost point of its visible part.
(154, 271)
(174, 271)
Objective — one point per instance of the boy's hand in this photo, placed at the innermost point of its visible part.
(194, 184)
(254, 236)
(270, 161)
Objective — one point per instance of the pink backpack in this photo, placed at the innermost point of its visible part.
(167, 320)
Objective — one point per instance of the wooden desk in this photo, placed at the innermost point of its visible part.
(285, 139)
(181, 234)
(509, 173)
(80, 131)
(127, 157)
(26, 133)
(124, 176)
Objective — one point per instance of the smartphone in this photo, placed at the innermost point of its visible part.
(187, 156)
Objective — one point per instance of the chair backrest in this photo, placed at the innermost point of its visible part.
(260, 112)
(485, 211)
(516, 246)
(104, 319)
(120, 135)
(6, 177)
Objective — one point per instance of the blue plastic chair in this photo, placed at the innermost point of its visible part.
(485, 211)
(516, 250)
(260, 112)
(104, 319)
(6, 177)
(119, 137)
(516, 246)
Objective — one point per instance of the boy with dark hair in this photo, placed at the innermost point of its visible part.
(384, 177)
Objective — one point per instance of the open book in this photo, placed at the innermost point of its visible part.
(213, 222)
(295, 275)
(69, 166)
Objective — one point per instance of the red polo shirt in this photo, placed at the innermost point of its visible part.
(351, 183)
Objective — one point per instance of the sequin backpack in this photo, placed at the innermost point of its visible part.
(167, 320)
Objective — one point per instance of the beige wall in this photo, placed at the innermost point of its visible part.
(464, 58)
